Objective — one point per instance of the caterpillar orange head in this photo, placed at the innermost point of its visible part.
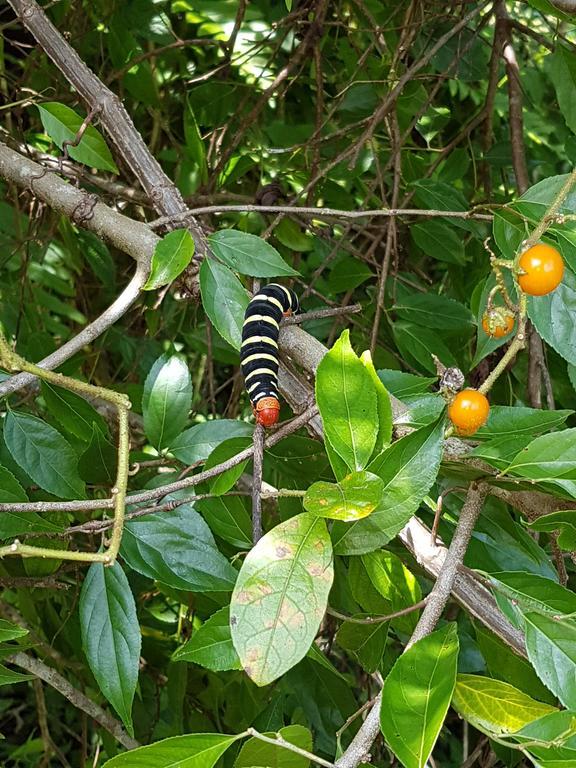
(267, 411)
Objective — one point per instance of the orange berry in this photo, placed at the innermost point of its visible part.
(541, 270)
(469, 411)
(498, 322)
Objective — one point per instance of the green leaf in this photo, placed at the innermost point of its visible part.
(346, 398)
(547, 457)
(440, 241)
(395, 583)
(195, 750)
(503, 664)
(416, 696)
(198, 442)
(211, 645)
(433, 311)
(562, 65)
(354, 497)
(534, 593)
(348, 273)
(223, 482)
(418, 344)
(402, 384)
(494, 707)
(551, 647)
(255, 752)
(62, 124)
(99, 461)
(367, 642)
(167, 400)
(10, 489)
(562, 522)
(281, 596)
(224, 300)
(408, 468)
(43, 454)
(72, 411)
(505, 420)
(194, 144)
(177, 548)
(551, 730)
(554, 316)
(383, 404)
(16, 523)
(111, 635)
(171, 257)
(9, 677)
(248, 254)
(9, 631)
(228, 519)
(289, 233)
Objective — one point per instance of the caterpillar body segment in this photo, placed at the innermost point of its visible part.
(259, 351)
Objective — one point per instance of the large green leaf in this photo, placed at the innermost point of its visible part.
(111, 635)
(433, 311)
(9, 631)
(198, 442)
(346, 398)
(43, 454)
(439, 240)
(551, 647)
(211, 645)
(495, 707)
(533, 593)
(228, 519)
(171, 257)
(353, 498)
(258, 753)
(562, 65)
(281, 596)
(417, 345)
(61, 123)
(224, 300)
(554, 316)
(177, 548)
(72, 411)
(99, 461)
(395, 583)
(248, 254)
(548, 457)
(167, 399)
(195, 750)
(383, 404)
(506, 420)
(367, 642)
(408, 468)
(10, 677)
(416, 696)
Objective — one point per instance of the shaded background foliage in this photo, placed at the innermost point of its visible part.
(343, 105)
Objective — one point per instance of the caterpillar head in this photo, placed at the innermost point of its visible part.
(267, 411)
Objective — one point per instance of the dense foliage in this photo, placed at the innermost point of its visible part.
(399, 156)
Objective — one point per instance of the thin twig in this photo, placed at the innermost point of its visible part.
(320, 213)
(378, 619)
(320, 314)
(280, 742)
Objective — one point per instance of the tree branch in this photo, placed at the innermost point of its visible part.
(76, 697)
(113, 117)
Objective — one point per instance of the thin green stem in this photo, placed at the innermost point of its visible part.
(280, 742)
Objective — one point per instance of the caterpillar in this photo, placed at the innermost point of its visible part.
(259, 351)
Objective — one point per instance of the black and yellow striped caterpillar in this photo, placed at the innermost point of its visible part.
(259, 351)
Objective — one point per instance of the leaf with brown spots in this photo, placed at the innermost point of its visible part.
(281, 596)
(353, 498)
